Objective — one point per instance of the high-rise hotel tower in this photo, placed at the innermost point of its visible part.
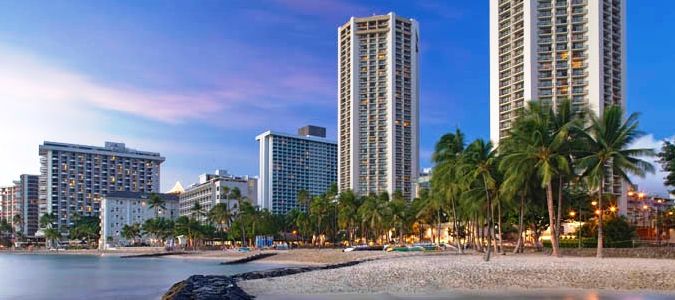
(378, 104)
(550, 50)
(74, 178)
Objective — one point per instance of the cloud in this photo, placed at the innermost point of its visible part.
(652, 183)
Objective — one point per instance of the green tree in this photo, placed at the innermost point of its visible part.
(221, 215)
(131, 232)
(157, 203)
(540, 147)
(47, 220)
(608, 153)
(667, 160)
(480, 166)
(347, 216)
(53, 235)
(304, 199)
(197, 211)
(446, 180)
(86, 228)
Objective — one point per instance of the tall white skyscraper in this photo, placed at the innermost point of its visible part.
(550, 50)
(378, 105)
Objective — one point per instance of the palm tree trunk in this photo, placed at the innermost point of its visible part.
(551, 218)
(560, 199)
(438, 225)
(499, 227)
(455, 228)
(601, 236)
(519, 243)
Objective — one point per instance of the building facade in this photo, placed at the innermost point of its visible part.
(216, 188)
(128, 208)
(551, 50)
(378, 104)
(75, 178)
(9, 206)
(291, 163)
(27, 197)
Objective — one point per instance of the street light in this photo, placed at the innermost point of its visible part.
(594, 203)
(612, 209)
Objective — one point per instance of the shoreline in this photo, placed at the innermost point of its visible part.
(450, 274)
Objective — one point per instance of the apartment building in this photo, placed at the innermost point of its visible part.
(212, 189)
(550, 50)
(75, 178)
(291, 163)
(27, 197)
(378, 104)
(128, 208)
(9, 206)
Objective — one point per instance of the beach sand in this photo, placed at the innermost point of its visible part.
(450, 274)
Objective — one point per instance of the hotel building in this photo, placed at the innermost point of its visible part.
(74, 178)
(215, 188)
(291, 163)
(9, 206)
(28, 198)
(378, 104)
(550, 50)
(128, 208)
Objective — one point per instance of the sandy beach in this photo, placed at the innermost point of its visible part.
(451, 273)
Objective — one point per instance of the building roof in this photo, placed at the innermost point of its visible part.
(139, 195)
(176, 189)
(300, 137)
(110, 148)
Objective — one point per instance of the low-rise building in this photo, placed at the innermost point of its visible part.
(129, 208)
(216, 188)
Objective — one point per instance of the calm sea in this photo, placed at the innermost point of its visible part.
(94, 277)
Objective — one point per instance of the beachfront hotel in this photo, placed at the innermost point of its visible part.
(378, 104)
(75, 178)
(9, 206)
(550, 50)
(128, 208)
(215, 188)
(290, 163)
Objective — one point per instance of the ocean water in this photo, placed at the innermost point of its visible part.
(94, 277)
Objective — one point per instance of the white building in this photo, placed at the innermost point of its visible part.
(550, 50)
(378, 104)
(75, 178)
(291, 163)
(128, 208)
(215, 188)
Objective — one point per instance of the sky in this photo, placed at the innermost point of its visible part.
(198, 80)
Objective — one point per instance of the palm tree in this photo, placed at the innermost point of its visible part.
(347, 217)
(197, 211)
(131, 232)
(446, 179)
(221, 214)
(609, 154)
(156, 202)
(539, 149)
(51, 235)
(47, 220)
(17, 221)
(304, 199)
(432, 205)
(318, 210)
(480, 166)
